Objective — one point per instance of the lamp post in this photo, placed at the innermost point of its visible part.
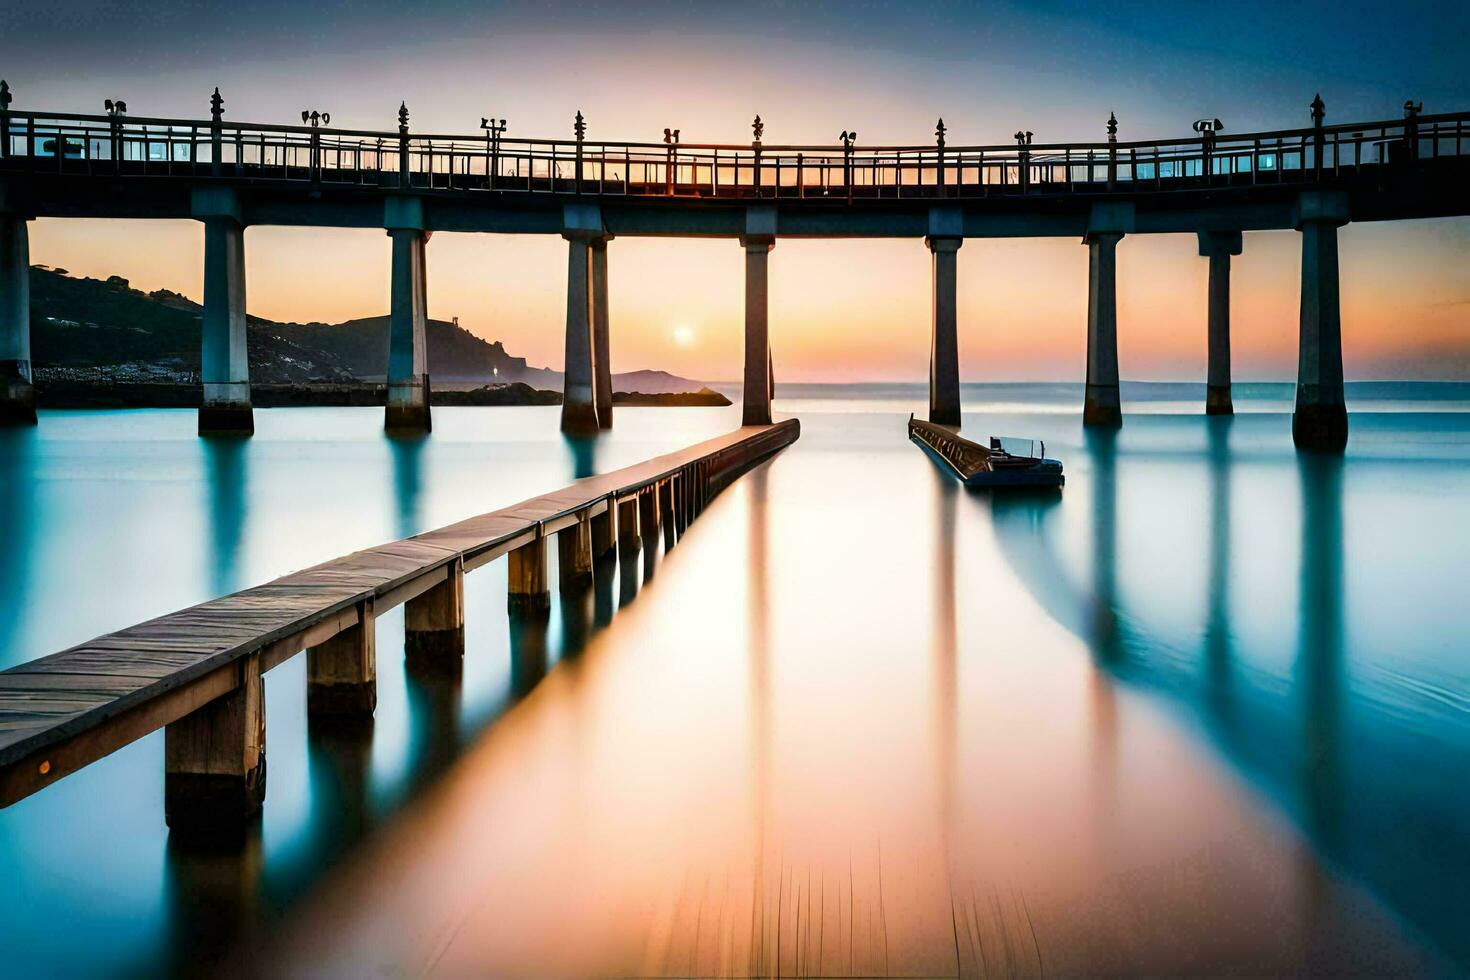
(1319, 113)
(758, 129)
(493, 128)
(1411, 127)
(579, 127)
(316, 119)
(1112, 152)
(403, 165)
(216, 119)
(848, 138)
(1023, 140)
(1207, 128)
(116, 109)
(671, 140)
(939, 132)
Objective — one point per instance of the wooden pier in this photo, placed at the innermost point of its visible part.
(197, 672)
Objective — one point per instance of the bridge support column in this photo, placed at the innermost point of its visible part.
(1218, 246)
(601, 344)
(574, 554)
(1320, 420)
(214, 760)
(648, 516)
(1102, 404)
(528, 586)
(757, 381)
(408, 321)
(944, 349)
(433, 623)
(578, 405)
(17, 394)
(342, 673)
(224, 364)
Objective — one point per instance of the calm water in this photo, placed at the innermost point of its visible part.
(1208, 708)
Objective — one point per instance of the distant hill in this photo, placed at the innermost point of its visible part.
(81, 324)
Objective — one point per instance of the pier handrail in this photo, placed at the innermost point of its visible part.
(37, 141)
(62, 712)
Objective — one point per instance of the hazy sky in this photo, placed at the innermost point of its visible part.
(839, 310)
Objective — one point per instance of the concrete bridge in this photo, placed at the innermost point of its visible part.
(230, 175)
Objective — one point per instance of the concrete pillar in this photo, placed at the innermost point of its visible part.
(214, 760)
(944, 351)
(578, 405)
(757, 382)
(1102, 404)
(342, 673)
(602, 364)
(408, 321)
(17, 394)
(224, 364)
(529, 590)
(433, 622)
(1218, 246)
(1320, 421)
(574, 554)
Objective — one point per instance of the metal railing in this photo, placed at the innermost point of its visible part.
(147, 147)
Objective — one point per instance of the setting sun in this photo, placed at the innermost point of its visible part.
(683, 335)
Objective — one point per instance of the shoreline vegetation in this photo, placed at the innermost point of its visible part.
(77, 394)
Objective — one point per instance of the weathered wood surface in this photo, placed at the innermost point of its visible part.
(63, 711)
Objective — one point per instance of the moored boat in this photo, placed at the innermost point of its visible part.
(1006, 462)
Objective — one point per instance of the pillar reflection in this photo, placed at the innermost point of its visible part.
(944, 648)
(407, 452)
(338, 760)
(1319, 667)
(18, 514)
(758, 644)
(583, 450)
(575, 606)
(214, 899)
(1217, 616)
(528, 650)
(434, 694)
(226, 476)
(1102, 446)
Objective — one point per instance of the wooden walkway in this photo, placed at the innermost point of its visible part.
(197, 671)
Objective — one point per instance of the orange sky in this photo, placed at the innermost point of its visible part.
(847, 310)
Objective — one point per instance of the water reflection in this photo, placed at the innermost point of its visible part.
(407, 452)
(1217, 617)
(1319, 666)
(529, 650)
(226, 491)
(583, 450)
(17, 512)
(1102, 448)
(214, 900)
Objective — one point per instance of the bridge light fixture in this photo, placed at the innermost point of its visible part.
(1112, 127)
(848, 138)
(758, 128)
(1205, 126)
(316, 118)
(939, 131)
(1412, 108)
(671, 136)
(579, 126)
(115, 108)
(1023, 137)
(1319, 110)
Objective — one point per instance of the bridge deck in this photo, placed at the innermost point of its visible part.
(61, 712)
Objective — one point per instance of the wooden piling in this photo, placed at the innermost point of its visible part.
(529, 591)
(574, 553)
(604, 533)
(433, 622)
(214, 760)
(342, 673)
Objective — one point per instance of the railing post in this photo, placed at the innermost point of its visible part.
(1319, 112)
(403, 169)
(758, 128)
(939, 154)
(579, 126)
(1112, 152)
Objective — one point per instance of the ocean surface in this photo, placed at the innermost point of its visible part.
(1206, 709)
